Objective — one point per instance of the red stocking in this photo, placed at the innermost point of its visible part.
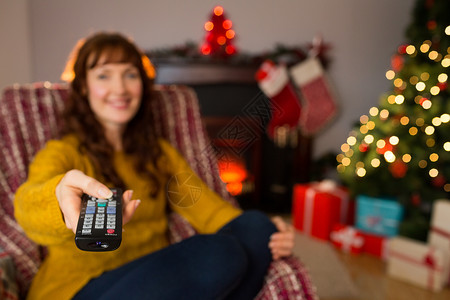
(319, 106)
(275, 83)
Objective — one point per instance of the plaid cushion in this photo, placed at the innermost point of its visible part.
(28, 118)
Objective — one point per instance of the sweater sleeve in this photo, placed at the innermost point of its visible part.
(189, 196)
(36, 207)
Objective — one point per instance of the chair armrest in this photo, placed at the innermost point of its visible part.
(287, 278)
(8, 284)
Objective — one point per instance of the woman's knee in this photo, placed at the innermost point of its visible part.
(257, 222)
(222, 262)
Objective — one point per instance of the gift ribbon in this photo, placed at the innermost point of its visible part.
(427, 261)
(441, 232)
(445, 234)
(327, 186)
(348, 237)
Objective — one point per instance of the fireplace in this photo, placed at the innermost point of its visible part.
(258, 172)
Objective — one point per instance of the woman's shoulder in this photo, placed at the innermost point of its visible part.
(65, 143)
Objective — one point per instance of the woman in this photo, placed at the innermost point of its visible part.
(107, 142)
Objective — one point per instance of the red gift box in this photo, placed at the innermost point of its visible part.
(375, 245)
(347, 238)
(317, 207)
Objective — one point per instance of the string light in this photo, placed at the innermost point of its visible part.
(447, 30)
(389, 156)
(447, 146)
(370, 125)
(423, 164)
(339, 157)
(369, 139)
(434, 157)
(445, 118)
(373, 111)
(442, 77)
(404, 120)
(361, 172)
(410, 49)
(433, 55)
(399, 99)
(434, 90)
(364, 119)
(445, 62)
(425, 47)
(346, 161)
(390, 74)
(414, 80)
(447, 186)
(433, 172)
(431, 142)
(391, 99)
(413, 131)
(429, 130)
(426, 104)
(375, 162)
(420, 86)
(436, 121)
(384, 114)
(406, 158)
(393, 140)
(345, 147)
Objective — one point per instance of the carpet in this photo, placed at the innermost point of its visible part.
(327, 272)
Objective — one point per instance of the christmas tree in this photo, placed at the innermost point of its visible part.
(219, 35)
(401, 149)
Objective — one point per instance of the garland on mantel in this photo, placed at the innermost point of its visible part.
(289, 55)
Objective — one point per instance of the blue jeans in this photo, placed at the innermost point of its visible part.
(230, 264)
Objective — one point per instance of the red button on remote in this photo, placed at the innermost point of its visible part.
(110, 231)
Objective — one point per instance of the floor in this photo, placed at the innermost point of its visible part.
(369, 276)
(366, 278)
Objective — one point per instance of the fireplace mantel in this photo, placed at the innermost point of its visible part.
(201, 73)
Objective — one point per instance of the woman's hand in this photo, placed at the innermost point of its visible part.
(281, 242)
(71, 188)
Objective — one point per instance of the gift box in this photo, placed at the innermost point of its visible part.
(417, 263)
(347, 238)
(378, 215)
(439, 235)
(317, 206)
(375, 244)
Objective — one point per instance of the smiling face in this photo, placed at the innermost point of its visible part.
(114, 92)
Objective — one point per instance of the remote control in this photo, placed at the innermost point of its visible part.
(100, 223)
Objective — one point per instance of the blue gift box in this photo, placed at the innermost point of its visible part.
(378, 215)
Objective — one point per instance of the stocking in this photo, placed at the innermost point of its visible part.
(319, 107)
(285, 105)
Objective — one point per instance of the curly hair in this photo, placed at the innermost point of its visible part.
(139, 138)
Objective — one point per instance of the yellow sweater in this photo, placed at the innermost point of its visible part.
(67, 269)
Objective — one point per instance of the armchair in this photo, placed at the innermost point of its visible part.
(29, 117)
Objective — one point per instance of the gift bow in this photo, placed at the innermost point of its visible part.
(348, 237)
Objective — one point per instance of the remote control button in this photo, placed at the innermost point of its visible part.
(110, 231)
(100, 210)
(86, 231)
(102, 200)
(112, 203)
(101, 204)
(111, 210)
(90, 203)
(98, 226)
(90, 210)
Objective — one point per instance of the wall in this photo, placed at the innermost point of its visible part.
(15, 50)
(363, 35)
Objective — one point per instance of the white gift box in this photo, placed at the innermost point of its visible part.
(417, 263)
(439, 235)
